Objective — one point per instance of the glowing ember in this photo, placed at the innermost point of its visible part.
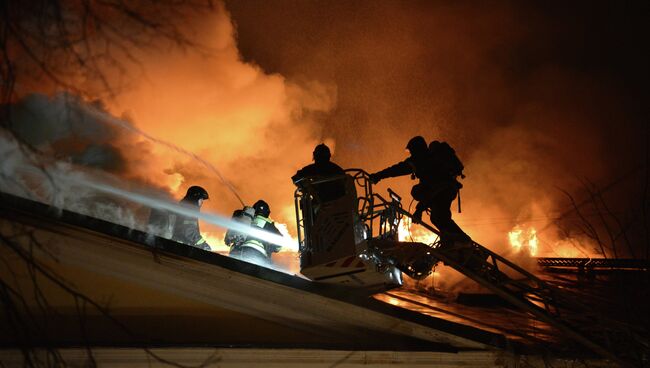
(521, 238)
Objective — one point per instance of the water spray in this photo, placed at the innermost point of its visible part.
(157, 203)
(184, 211)
(124, 125)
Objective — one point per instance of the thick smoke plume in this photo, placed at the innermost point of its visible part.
(535, 98)
(255, 128)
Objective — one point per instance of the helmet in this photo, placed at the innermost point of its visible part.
(262, 208)
(196, 193)
(417, 144)
(322, 153)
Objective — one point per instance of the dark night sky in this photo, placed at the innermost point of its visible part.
(471, 64)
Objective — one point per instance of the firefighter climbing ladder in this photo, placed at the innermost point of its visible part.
(558, 308)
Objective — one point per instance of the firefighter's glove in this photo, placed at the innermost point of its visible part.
(375, 178)
(417, 216)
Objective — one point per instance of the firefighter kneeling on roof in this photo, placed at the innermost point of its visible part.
(246, 247)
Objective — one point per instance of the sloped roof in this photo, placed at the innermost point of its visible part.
(168, 293)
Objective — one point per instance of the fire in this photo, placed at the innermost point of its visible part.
(407, 233)
(521, 238)
(216, 241)
(568, 249)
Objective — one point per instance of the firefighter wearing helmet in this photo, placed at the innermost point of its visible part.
(436, 168)
(322, 168)
(186, 228)
(255, 250)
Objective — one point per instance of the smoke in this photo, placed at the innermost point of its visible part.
(257, 128)
(534, 98)
(101, 196)
(187, 118)
(521, 96)
(67, 128)
(190, 118)
(57, 183)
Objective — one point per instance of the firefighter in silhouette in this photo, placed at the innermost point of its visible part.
(321, 169)
(437, 188)
(186, 228)
(256, 250)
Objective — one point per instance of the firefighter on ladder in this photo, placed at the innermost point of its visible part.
(436, 190)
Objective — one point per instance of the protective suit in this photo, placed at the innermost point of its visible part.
(244, 216)
(436, 190)
(322, 168)
(256, 250)
(161, 223)
(186, 228)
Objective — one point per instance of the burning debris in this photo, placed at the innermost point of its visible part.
(524, 239)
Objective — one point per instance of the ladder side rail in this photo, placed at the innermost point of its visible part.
(541, 285)
(495, 257)
(300, 226)
(528, 306)
(545, 314)
(543, 291)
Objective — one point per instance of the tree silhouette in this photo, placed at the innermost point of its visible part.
(74, 44)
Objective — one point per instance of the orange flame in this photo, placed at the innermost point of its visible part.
(407, 232)
(524, 238)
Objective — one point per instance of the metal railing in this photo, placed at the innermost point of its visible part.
(558, 308)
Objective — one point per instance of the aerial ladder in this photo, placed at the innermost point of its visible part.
(353, 240)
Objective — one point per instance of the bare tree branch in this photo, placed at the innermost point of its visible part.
(590, 230)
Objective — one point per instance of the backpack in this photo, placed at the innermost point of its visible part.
(445, 156)
(244, 216)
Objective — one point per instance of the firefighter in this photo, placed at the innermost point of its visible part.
(244, 216)
(322, 168)
(256, 250)
(161, 223)
(186, 228)
(436, 190)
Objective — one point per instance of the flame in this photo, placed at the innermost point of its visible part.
(524, 238)
(408, 233)
(216, 241)
(567, 249)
